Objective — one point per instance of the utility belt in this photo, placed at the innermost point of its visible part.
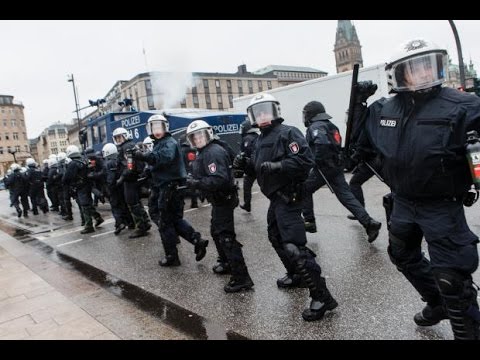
(224, 197)
(292, 194)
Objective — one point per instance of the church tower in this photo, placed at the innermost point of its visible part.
(347, 49)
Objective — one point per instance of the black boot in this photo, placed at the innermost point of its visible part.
(138, 233)
(87, 230)
(373, 229)
(237, 284)
(119, 228)
(291, 281)
(98, 221)
(352, 217)
(194, 204)
(25, 213)
(19, 212)
(200, 248)
(35, 211)
(318, 308)
(170, 260)
(430, 315)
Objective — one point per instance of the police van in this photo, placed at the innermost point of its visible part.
(225, 124)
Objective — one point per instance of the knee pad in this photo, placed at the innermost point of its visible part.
(397, 242)
(292, 251)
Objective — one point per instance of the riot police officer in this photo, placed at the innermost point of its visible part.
(96, 174)
(17, 183)
(249, 138)
(168, 174)
(212, 174)
(36, 187)
(115, 192)
(76, 175)
(131, 171)
(282, 161)
(189, 156)
(325, 141)
(420, 134)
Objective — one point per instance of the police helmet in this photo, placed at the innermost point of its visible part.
(417, 65)
(109, 150)
(73, 151)
(263, 109)
(157, 124)
(199, 134)
(314, 109)
(118, 134)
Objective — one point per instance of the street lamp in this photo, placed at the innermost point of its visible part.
(460, 57)
(72, 80)
(13, 153)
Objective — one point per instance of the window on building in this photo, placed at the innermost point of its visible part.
(230, 100)
(54, 151)
(195, 101)
(269, 85)
(183, 103)
(260, 85)
(194, 90)
(17, 148)
(7, 136)
(240, 86)
(9, 149)
(5, 122)
(250, 86)
(150, 103)
(25, 136)
(13, 123)
(53, 143)
(1, 150)
(62, 149)
(229, 85)
(209, 102)
(0, 137)
(219, 99)
(15, 136)
(217, 84)
(148, 84)
(205, 83)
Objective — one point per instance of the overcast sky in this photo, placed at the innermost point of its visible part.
(38, 55)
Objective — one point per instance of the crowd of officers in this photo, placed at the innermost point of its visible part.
(289, 167)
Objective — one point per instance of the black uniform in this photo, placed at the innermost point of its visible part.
(246, 147)
(115, 193)
(421, 138)
(167, 201)
(76, 176)
(17, 183)
(325, 141)
(36, 189)
(54, 185)
(213, 175)
(282, 160)
(131, 188)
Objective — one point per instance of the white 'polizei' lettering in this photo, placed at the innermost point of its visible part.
(388, 123)
(129, 122)
(226, 129)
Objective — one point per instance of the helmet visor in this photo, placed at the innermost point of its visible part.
(199, 139)
(263, 113)
(157, 128)
(419, 72)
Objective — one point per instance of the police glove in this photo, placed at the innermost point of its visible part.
(270, 167)
(470, 197)
(239, 162)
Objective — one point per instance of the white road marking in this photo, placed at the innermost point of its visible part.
(70, 242)
(105, 233)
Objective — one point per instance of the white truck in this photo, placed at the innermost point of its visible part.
(332, 91)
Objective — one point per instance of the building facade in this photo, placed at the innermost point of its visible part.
(14, 145)
(287, 75)
(52, 140)
(347, 48)
(453, 76)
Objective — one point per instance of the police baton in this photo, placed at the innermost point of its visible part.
(326, 181)
(374, 171)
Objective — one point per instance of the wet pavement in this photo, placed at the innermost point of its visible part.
(375, 301)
